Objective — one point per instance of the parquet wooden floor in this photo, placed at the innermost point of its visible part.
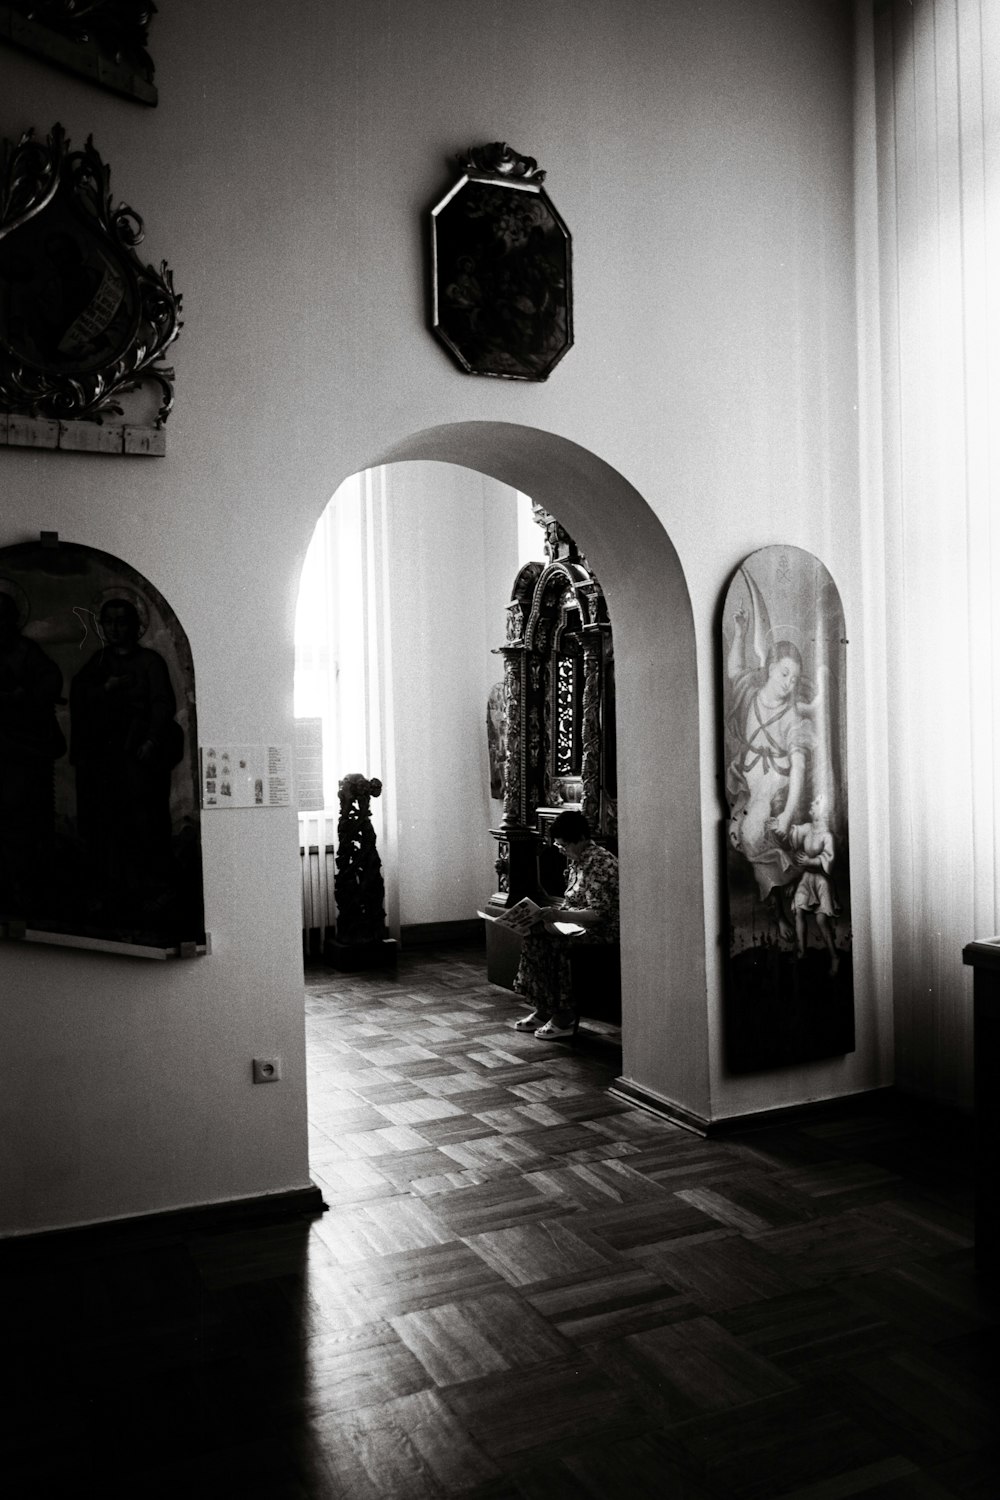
(524, 1288)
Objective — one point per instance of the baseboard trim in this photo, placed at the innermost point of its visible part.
(210, 1218)
(764, 1119)
(442, 934)
(656, 1104)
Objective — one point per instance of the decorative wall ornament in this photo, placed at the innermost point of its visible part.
(103, 40)
(500, 160)
(558, 542)
(82, 320)
(100, 840)
(790, 996)
(566, 725)
(591, 738)
(502, 864)
(502, 293)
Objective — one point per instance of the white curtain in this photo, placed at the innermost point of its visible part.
(932, 333)
(342, 655)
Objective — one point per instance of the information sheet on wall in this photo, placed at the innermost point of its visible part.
(246, 775)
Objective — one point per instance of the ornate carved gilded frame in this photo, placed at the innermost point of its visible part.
(82, 319)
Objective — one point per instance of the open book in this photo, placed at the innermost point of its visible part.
(523, 916)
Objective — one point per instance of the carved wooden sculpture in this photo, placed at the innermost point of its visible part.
(362, 940)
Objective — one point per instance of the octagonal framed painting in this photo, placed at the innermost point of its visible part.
(502, 272)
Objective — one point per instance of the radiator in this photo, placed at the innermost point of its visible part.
(316, 849)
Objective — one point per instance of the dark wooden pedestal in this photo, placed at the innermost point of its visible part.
(984, 958)
(503, 953)
(355, 958)
(517, 866)
(597, 982)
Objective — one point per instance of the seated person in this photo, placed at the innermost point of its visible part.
(591, 901)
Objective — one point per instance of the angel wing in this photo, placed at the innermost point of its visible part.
(761, 621)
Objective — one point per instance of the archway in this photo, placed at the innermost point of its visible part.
(665, 1019)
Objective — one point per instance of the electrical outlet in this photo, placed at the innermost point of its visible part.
(266, 1069)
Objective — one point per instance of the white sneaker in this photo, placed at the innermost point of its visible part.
(529, 1023)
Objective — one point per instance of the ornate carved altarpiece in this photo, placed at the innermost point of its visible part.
(559, 699)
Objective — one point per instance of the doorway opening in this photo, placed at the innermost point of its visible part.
(401, 607)
(661, 836)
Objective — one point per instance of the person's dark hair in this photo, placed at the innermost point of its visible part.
(571, 827)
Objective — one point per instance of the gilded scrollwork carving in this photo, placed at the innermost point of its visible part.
(590, 767)
(512, 764)
(83, 320)
(500, 160)
(519, 608)
(30, 179)
(564, 697)
(502, 865)
(593, 599)
(558, 542)
(515, 623)
(534, 736)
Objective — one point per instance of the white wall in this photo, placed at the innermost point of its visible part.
(933, 334)
(452, 537)
(702, 157)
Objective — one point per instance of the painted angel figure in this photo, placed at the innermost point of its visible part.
(814, 851)
(772, 734)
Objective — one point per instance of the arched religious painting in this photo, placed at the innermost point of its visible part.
(99, 820)
(789, 995)
(496, 737)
